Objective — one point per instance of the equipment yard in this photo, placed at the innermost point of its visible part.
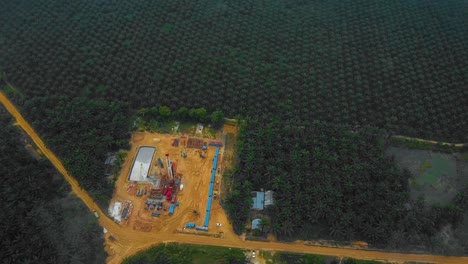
(175, 189)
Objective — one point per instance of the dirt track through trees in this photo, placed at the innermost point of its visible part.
(129, 242)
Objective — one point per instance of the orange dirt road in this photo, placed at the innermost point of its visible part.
(129, 241)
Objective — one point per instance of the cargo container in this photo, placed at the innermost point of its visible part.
(155, 215)
(190, 225)
(171, 209)
(202, 228)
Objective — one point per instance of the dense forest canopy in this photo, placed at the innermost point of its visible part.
(40, 221)
(79, 70)
(332, 182)
(81, 131)
(399, 65)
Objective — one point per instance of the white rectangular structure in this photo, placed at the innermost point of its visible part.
(142, 164)
(116, 211)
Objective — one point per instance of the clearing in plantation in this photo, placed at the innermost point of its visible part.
(172, 183)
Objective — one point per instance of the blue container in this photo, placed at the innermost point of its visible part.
(171, 209)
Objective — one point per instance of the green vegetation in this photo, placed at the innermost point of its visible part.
(174, 253)
(41, 222)
(82, 69)
(81, 131)
(437, 176)
(291, 258)
(398, 65)
(294, 258)
(121, 155)
(358, 261)
(424, 166)
(324, 178)
(464, 157)
(162, 118)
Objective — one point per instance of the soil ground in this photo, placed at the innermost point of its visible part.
(196, 174)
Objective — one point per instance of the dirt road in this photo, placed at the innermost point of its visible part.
(457, 145)
(129, 241)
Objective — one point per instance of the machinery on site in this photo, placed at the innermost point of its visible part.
(171, 209)
(160, 163)
(169, 167)
(190, 225)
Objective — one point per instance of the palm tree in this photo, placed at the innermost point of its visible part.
(264, 223)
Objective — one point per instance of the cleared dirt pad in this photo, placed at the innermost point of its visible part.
(196, 173)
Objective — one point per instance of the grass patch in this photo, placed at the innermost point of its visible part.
(209, 132)
(10, 90)
(428, 178)
(267, 256)
(170, 126)
(232, 122)
(187, 128)
(186, 253)
(424, 166)
(464, 157)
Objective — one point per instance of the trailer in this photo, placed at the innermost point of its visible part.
(171, 209)
(215, 144)
(125, 213)
(202, 228)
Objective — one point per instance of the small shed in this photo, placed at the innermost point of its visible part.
(268, 198)
(258, 199)
(256, 223)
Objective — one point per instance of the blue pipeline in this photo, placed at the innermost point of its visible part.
(210, 192)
